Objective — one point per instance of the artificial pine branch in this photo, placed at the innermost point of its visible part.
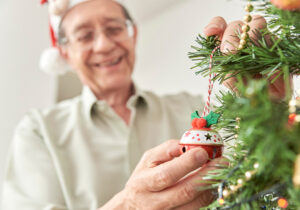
(262, 135)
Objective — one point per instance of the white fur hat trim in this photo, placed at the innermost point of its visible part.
(51, 62)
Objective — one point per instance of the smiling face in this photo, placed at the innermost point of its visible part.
(102, 61)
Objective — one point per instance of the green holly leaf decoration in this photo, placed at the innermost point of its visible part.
(212, 118)
(195, 115)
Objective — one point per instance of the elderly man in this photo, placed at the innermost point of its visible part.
(99, 150)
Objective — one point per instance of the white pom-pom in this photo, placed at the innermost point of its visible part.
(58, 7)
(51, 62)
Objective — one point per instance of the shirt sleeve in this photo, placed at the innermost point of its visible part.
(30, 181)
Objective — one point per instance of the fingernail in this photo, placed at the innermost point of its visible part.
(201, 155)
(209, 26)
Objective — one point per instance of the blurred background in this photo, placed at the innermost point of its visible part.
(167, 29)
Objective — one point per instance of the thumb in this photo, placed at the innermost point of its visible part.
(159, 154)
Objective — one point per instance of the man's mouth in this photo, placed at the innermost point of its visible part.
(109, 63)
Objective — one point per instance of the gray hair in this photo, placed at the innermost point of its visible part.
(61, 36)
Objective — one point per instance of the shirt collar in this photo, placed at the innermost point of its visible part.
(89, 100)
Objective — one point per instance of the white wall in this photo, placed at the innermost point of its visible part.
(165, 40)
(22, 86)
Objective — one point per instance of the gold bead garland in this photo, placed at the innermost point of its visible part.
(240, 182)
(246, 27)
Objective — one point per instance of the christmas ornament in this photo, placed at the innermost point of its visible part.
(296, 177)
(287, 4)
(201, 135)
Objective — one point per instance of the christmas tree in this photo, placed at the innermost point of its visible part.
(262, 133)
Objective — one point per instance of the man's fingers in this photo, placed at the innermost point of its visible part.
(167, 174)
(278, 89)
(194, 196)
(231, 83)
(230, 40)
(186, 190)
(258, 25)
(160, 154)
(216, 27)
(204, 199)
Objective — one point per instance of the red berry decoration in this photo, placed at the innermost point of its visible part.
(290, 5)
(199, 123)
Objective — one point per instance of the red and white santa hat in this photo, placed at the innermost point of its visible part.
(51, 61)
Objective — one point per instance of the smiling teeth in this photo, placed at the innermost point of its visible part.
(110, 63)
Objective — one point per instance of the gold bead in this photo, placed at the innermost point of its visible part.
(256, 165)
(225, 193)
(249, 8)
(247, 18)
(240, 181)
(243, 42)
(295, 103)
(245, 28)
(232, 187)
(244, 36)
(236, 136)
(237, 127)
(292, 109)
(241, 47)
(248, 175)
(292, 103)
(238, 119)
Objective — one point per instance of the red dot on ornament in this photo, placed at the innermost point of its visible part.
(219, 139)
(197, 134)
(282, 203)
(198, 139)
(215, 140)
(215, 136)
(193, 137)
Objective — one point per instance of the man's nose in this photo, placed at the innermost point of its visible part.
(103, 43)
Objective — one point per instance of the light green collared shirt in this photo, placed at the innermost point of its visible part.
(79, 153)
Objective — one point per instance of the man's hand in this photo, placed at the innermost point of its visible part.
(227, 34)
(164, 179)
